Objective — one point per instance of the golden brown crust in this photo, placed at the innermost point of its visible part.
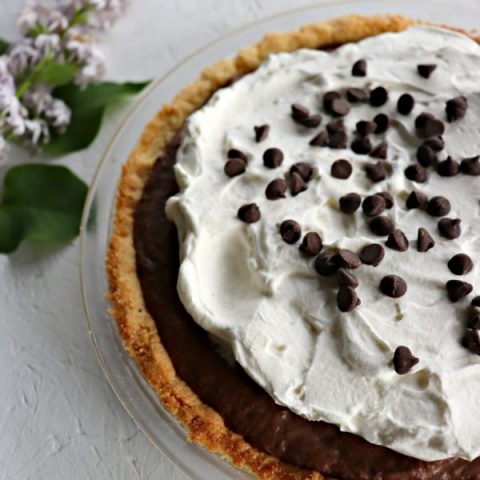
(136, 326)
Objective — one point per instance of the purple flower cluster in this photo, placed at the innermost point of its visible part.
(63, 35)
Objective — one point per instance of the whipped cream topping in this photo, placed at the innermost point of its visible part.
(264, 299)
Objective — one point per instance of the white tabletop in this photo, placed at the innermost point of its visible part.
(59, 419)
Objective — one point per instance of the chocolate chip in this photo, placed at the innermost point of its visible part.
(448, 167)
(397, 241)
(381, 225)
(380, 151)
(299, 112)
(456, 289)
(347, 299)
(376, 171)
(378, 97)
(297, 184)
(350, 202)
(473, 321)
(393, 286)
(346, 279)
(355, 95)
(372, 254)
(325, 265)
(417, 200)
(471, 341)
(403, 360)
(389, 202)
(249, 213)
(425, 156)
(373, 205)
(365, 127)
(311, 244)
(405, 104)
(320, 140)
(328, 99)
(424, 240)
(304, 169)
(429, 126)
(382, 122)
(361, 145)
(339, 107)
(290, 231)
(234, 167)
(421, 120)
(426, 69)
(347, 259)
(341, 169)
(261, 132)
(276, 189)
(312, 121)
(416, 173)
(302, 116)
(338, 140)
(438, 206)
(235, 153)
(471, 166)
(460, 264)
(435, 143)
(359, 68)
(273, 158)
(433, 127)
(449, 228)
(456, 108)
(476, 301)
(336, 126)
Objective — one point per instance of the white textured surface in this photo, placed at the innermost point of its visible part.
(58, 417)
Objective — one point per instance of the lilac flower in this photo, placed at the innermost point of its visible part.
(11, 110)
(102, 13)
(64, 35)
(91, 72)
(38, 99)
(107, 12)
(58, 114)
(22, 56)
(91, 4)
(13, 117)
(106, 8)
(92, 59)
(35, 17)
(37, 130)
(43, 106)
(6, 79)
(47, 43)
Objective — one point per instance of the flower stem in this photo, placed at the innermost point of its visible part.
(22, 89)
(32, 77)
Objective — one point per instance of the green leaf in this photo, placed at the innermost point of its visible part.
(3, 46)
(41, 203)
(11, 231)
(48, 71)
(57, 74)
(88, 107)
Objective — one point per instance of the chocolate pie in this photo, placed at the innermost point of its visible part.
(294, 263)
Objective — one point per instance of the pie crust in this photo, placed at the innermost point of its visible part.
(137, 327)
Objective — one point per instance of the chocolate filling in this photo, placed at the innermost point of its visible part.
(245, 407)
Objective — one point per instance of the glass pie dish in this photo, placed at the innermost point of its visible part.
(137, 397)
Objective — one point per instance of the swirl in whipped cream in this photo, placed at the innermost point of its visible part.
(246, 286)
